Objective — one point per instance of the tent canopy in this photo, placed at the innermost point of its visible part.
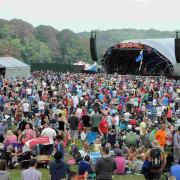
(10, 62)
(12, 68)
(166, 46)
(158, 57)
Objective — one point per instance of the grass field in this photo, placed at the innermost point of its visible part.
(15, 174)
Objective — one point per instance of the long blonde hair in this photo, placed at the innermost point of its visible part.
(9, 133)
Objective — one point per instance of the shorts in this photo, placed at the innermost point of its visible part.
(74, 134)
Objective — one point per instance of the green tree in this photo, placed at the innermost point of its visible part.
(10, 47)
(36, 51)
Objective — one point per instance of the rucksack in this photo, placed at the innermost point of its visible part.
(60, 148)
(156, 161)
(74, 149)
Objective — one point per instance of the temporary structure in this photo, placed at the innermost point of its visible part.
(12, 68)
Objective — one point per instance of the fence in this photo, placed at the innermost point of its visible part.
(57, 67)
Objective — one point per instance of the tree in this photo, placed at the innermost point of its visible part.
(10, 48)
(36, 51)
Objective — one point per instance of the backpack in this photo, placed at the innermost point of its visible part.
(75, 153)
(74, 149)
(60, 148)
(156, 161)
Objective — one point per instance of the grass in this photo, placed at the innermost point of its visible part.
(15, 174)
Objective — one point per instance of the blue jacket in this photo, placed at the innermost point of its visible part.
(58, 170)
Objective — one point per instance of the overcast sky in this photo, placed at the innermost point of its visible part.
(86, 15)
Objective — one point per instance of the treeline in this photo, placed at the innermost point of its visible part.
(46, 44)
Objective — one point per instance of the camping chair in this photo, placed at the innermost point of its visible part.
(91, 137)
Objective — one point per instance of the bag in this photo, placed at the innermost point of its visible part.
(60, 148)
(156, 162)
(73, 149)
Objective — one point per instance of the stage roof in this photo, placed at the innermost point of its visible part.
(164, 46)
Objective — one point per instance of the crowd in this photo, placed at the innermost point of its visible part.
(109, 124)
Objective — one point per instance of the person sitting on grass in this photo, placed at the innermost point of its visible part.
(4, 174)
(97, 145)
(105, 166)
(138, 164)
(31, 172)
(120, 163)
(58, 169)
(59, 145)
(85, 168)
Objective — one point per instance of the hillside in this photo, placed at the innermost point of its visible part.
(46, 44)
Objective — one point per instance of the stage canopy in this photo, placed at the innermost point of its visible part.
(141, 56)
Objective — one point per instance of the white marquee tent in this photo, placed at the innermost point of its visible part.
(12, 68)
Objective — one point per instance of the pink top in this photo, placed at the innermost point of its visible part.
(120, 163)
(11, 139)
(30, 134)
(169, 113)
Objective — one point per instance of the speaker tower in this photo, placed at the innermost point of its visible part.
(177, 47)
(93, 46)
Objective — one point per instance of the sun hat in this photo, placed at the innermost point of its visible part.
(155, 144)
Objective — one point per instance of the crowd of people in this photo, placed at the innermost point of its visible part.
(133, 122)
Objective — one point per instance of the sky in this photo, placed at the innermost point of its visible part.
(87, 15)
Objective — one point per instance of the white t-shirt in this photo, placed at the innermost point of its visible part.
(28, 91)
(41, 105)
(159, 111)
(142, 127)
(25, 107)
(44, 84)
(51, 133)
(117, 120)
(127, 116)
(79, 112)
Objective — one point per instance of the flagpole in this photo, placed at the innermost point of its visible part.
(140, 65)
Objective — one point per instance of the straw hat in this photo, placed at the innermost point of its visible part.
(155, 144)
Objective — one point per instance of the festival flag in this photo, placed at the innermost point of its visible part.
(140, 57)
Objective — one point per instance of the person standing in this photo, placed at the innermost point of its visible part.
(26, 108)
(51, 133)
(143, 132)
(105, 166)
(73, 122)
(31, 172)
(103, 129)
(96, 118)
(86, 121)
(160, 136)
(177, 146)
(3, 129)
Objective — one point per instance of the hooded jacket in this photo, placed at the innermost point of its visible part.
(58, 170)
(105, 167)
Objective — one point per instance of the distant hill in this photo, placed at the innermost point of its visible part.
(46, 44)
